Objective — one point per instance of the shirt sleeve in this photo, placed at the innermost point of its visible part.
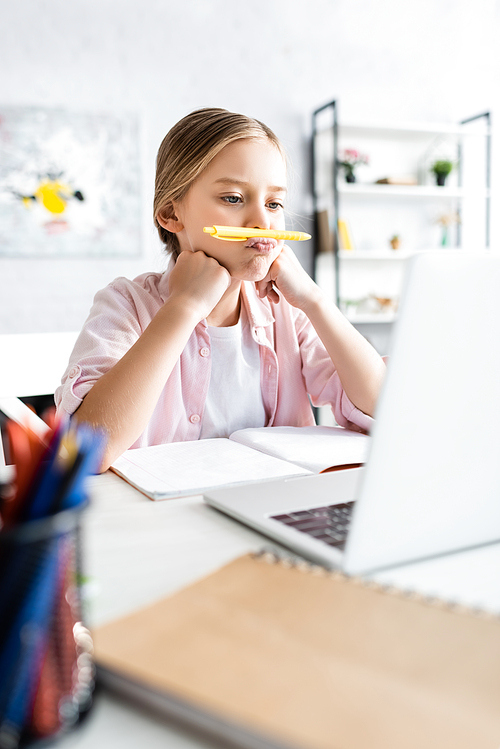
(323, 382)
(112, 327)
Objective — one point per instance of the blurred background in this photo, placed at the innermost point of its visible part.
(131, 69)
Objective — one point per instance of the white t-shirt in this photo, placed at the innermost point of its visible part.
(234, 398)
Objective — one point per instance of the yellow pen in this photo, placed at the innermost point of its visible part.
(238, 234)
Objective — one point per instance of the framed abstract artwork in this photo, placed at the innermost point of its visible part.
(70, 184)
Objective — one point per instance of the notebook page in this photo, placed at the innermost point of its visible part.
(314, 448)
(182, 468)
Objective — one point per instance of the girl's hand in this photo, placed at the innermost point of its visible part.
(289, 277)
(200, 281)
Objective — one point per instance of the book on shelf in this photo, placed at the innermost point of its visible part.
(325, 234)
(345, 238)
(185, 468)
(397, 181)
(273, 653)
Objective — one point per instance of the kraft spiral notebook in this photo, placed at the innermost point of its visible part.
(271, 653)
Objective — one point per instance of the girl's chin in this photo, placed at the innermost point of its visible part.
(252, 277)
(254, 271)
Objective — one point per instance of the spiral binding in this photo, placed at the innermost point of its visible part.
(271, 556)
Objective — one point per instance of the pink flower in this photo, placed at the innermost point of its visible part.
(349, 157)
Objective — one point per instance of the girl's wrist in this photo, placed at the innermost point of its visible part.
(315, 301)
(181, 308)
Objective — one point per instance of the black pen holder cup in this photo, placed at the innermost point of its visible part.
(46, 652)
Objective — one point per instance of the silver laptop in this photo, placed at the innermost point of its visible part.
(431, 484)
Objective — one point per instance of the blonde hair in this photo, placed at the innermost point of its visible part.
(187, 150)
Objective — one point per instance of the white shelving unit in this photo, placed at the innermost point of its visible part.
(390, 255)
(400, 191)
(365, 278)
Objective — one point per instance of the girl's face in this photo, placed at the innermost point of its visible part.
(244, 185)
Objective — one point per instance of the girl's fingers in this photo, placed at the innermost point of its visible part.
(267, 289)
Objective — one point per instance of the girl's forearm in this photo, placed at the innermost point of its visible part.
(122, 401)
(360, 368)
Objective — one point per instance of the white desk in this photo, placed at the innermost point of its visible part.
(136, 551)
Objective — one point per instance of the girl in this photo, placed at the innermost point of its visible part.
(233, 334)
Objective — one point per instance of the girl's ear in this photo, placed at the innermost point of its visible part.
(167, 218)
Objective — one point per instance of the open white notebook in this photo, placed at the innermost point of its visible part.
(184, 468)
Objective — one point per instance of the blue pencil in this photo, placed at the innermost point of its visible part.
(23, 652)
(31, 571)
(91, 446)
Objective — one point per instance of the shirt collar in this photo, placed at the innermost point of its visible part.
(259, 310)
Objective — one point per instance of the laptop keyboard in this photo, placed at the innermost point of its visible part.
(328, 524)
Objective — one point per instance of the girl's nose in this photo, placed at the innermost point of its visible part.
(258, 218)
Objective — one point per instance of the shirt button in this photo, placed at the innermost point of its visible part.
(73, 372)
(204, 351)
(194, 418)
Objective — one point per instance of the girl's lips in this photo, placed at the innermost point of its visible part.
(261, 244)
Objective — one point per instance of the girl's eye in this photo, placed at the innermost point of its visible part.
(232, 199)
(275, 206)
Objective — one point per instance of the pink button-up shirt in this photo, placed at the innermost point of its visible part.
(295, 368)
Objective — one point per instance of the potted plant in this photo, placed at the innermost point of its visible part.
(445, 221)
(441, 169)
(395, 241)
(349, 158)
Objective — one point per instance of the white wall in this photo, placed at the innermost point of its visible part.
(276, 60)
